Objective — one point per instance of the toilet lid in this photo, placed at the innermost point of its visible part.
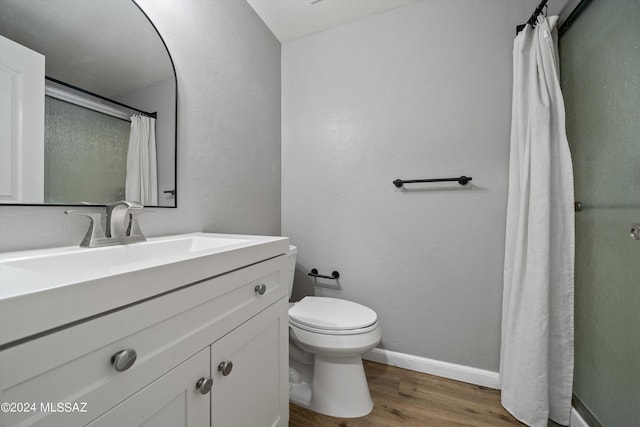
(332, 314)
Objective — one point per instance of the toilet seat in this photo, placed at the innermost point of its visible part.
(332, 316)
(332, 332)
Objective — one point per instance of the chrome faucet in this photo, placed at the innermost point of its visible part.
(121, 225)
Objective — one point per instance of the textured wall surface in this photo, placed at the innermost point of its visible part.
(228, 69)
(422, 91)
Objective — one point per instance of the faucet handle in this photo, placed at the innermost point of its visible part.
(95, 230)
(126, 203)
(118, 220)
(135, 205)
(134, 226)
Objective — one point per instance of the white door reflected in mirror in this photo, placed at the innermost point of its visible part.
(21, 123)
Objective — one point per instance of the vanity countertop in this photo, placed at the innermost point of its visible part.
(45, 289)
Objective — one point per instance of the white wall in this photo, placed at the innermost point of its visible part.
(421, 91)
(228, 68)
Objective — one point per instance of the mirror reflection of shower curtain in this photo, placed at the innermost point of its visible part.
(536, 364)
(142, 177)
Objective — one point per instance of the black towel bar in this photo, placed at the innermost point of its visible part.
(463, 180)
(314, 273)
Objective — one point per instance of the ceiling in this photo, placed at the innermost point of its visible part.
(290, 19)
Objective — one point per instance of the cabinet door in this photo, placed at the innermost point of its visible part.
(172, 400)
(254, 392)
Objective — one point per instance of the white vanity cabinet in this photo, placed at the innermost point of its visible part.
(227, 332)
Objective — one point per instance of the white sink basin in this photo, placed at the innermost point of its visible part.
(45, 289)
(75, 261)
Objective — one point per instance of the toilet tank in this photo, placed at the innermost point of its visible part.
(291, 264)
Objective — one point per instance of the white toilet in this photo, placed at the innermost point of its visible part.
(327, 337)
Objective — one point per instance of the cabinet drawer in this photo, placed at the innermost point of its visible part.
(74, 364)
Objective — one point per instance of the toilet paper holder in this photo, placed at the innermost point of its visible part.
(314, 273)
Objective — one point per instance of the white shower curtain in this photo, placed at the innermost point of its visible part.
(142, 178)
(536, 365)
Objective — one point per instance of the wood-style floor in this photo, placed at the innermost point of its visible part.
(412, 399)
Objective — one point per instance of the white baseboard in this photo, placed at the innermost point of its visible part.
(577, 420)
(452, 371)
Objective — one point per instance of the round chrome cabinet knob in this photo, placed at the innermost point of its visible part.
(204, 385)
(225, 368)
(124, 359)
(261, 289)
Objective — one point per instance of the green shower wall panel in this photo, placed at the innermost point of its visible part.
(85, 154)
(600, 76)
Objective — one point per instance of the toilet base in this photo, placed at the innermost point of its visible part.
(334, 386)
(300, 379)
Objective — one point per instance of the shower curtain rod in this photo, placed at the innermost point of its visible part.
(534, 16)
(79, 89)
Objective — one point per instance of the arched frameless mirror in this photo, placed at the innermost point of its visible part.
(84, 85)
